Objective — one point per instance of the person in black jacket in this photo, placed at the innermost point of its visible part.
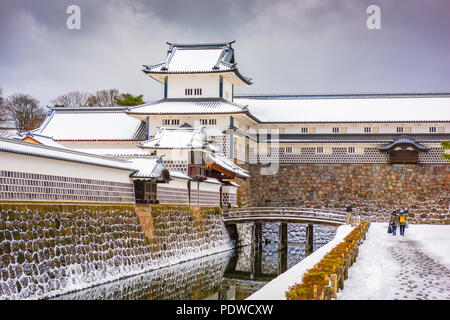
(393, 222)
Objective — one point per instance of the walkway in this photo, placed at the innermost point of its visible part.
(413, 267)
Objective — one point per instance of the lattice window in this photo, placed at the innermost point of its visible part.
(32, 186)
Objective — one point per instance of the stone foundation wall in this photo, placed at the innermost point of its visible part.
(46, 250)
(375, 190)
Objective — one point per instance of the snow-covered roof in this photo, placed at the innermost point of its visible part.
(226, 164)
(119, 152)
(212, 180)
(348, 108)
(177, 138)
(39, 150)
(189, 106)
(148, 168)
(105, 123)
(178, 174)
(48, 141)
(197, 58)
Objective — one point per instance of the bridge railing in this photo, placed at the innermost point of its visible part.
(337, 215)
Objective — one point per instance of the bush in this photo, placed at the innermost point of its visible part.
(319, 275)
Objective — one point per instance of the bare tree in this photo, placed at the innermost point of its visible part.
(3, 116)
(102, 98)
(3, 112)
(25, 111)
(106, 98)
(73, 99)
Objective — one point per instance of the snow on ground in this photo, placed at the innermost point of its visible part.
(275, 289)
(411, 267)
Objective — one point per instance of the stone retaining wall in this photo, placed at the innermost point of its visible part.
(47, 250)
(374, 189)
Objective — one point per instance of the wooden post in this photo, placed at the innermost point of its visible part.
(282, 236)
(327, 293)
(257, 238)
(341, 277)
(309, 241)
(334, 285)
(282, 260)
(315, 292)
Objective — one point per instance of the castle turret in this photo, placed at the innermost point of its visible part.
(198, 71)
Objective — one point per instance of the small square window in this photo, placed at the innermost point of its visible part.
(335, 130)
(319, 149)
(304, 130)
(367, 129)
(288, 150)
(399, 129)
(433, 129)
(351, 150)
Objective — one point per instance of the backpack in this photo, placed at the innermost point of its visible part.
(402, 218)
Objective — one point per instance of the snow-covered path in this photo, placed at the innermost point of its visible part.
(413, 267)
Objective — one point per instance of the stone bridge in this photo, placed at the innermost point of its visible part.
(260, 215)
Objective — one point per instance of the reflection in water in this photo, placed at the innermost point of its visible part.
(229, 275)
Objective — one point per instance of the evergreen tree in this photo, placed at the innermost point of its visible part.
(446, 146)
(128, 99)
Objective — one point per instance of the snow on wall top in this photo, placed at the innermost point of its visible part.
(32, 149)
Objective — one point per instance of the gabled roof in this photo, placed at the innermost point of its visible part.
(189, 106)
(216, 159)
(39, 150)
(90, 123)
(148, 168)
(404, 141)
(40, 139)
(197, 58)
(177, 138)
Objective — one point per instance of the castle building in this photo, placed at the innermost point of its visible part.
(198, 82)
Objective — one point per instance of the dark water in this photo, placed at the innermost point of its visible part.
(230, 275)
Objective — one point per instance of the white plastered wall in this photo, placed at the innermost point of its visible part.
(32, 164)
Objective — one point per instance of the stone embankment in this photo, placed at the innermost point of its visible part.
(46, 250)
(375, 190)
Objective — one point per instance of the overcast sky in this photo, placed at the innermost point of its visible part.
(289, 46)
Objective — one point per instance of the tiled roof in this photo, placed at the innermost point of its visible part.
(403, 140)
(106, 123)
(226, 164)
(116, 152)
(38, 150)
(148, 168)
(48, 141)
(189, 106)
(177, 138)
(347, 108)
(197, 58)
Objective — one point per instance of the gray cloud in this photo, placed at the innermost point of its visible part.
(288, 46)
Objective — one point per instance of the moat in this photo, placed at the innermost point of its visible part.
(229, 275)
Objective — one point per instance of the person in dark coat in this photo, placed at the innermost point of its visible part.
(393, 222)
